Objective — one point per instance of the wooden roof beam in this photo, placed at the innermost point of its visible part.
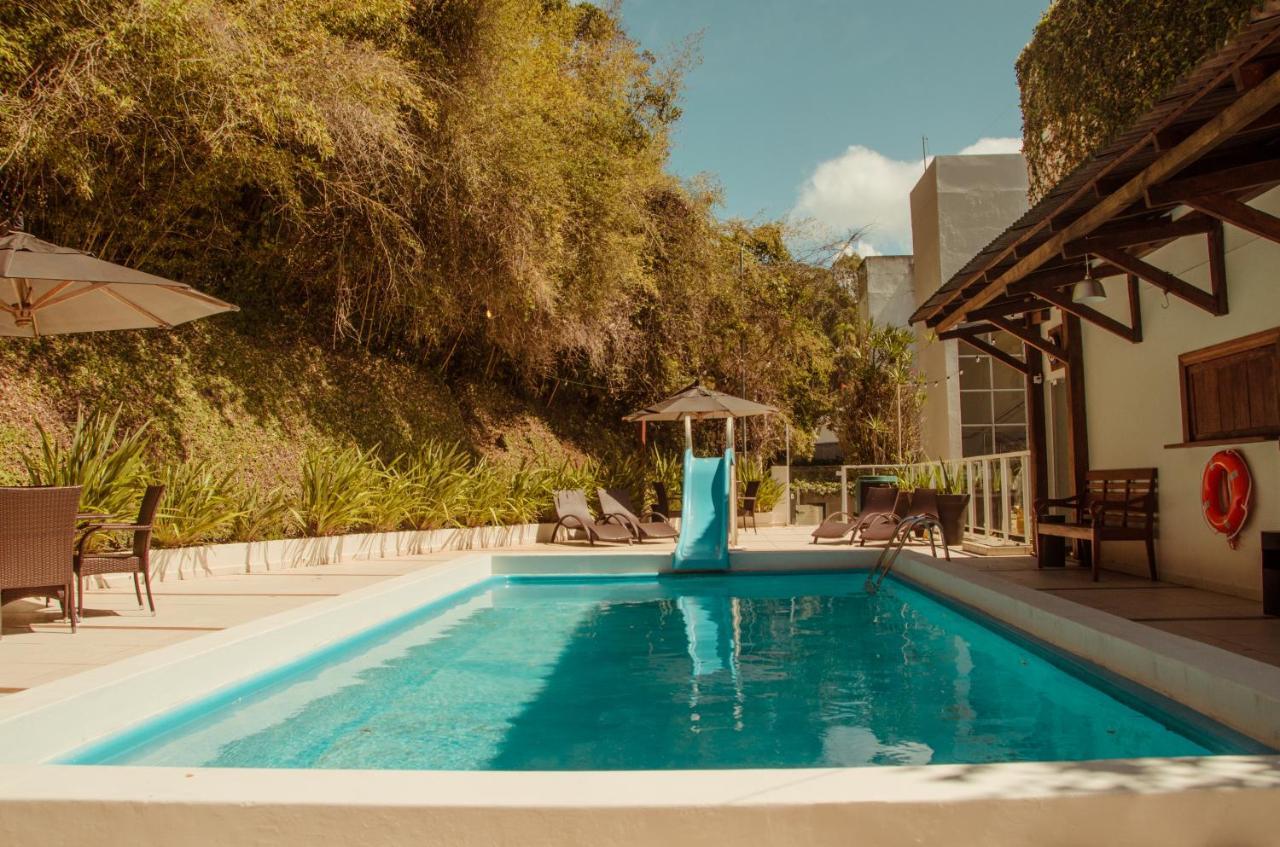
(996, 353)
(1161, 279)
(1249, 107)
(1136, 234)
(1017, 306)
(1057, 278)
(1229, 179)
(1241, 215)
(1132, 334)
(1034, 339)
(980, 328)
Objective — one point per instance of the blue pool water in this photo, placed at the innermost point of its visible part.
(686, 672)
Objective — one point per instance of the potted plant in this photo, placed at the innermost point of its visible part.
(952, 505)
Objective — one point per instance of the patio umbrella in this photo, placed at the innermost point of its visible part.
(696, 402)
(50, 290)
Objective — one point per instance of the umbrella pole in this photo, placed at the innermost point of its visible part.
(788, 425)
(733, 482)
(688, 433)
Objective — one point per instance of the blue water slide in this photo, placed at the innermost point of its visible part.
(704, 517)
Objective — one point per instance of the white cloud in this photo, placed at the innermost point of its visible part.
(863, 248)
(863, 190)
(984, 146)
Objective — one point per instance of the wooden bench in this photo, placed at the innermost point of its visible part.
(1116, 505)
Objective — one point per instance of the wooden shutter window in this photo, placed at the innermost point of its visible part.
(1231, 391)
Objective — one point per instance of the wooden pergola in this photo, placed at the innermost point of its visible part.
(1184, 169)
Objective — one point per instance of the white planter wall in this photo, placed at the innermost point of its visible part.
(263, 556)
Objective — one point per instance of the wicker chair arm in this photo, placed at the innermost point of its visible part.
(94, 529)
(847, 516)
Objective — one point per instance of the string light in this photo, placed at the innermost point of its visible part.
(947, 378)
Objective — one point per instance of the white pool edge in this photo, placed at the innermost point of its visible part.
(1235, 690)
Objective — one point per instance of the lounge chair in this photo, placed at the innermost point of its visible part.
(37, 539)
(924, 503)
(135, 560)
(650, 525)
(879, 500)
(572, 512)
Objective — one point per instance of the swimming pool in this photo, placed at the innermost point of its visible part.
(764, 671)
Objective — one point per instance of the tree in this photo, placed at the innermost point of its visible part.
(878, 395)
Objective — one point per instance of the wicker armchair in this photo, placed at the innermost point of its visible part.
(134, 560)
(37, 539)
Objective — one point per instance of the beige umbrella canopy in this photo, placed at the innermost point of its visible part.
(697, 402)
(51, 290)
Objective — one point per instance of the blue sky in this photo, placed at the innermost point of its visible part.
(816, 108)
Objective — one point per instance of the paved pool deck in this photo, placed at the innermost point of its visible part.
(38, 647)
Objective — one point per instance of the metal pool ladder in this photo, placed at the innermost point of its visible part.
(901, 535)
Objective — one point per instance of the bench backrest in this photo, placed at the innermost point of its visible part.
(1133, 488)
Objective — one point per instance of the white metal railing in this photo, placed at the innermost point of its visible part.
(997, 484)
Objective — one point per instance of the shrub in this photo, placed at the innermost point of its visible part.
(438, 475)
(393, 495)
(486, 496)
(667, 468)
(263, 514)
(106, 461)
(338, 491)
(752, 468)
(200, 505)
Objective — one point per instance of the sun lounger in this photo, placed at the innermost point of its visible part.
(923, 503)
(880, 500)
(650, 525)
(572, 512)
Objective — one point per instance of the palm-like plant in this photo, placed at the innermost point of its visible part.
(263, 514)
(200, 505)
(753, 469)
(338, 491)
(438, 475)
(394, 495)
(106, 461)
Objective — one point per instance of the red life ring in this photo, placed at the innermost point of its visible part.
(1226, 466)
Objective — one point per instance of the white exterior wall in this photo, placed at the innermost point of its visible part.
(957, 208)
(1134, 408)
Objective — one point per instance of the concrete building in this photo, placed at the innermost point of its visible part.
(974, 405)
(1173, 367)
(885, 289)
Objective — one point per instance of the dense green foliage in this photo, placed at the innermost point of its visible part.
(473, 186)
(339, 490)
(878, 399)
(458, 253)
(1096, 65)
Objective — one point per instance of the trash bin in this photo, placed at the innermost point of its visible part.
(1271, 573)
(1052, 549)
(861, 485)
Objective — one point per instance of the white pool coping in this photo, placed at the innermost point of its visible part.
(1178, 798)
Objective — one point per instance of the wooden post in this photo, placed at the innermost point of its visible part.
(1077, 415)
(1037, 439)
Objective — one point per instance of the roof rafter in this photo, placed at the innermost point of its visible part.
(1162, 279)
(1249, 107)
